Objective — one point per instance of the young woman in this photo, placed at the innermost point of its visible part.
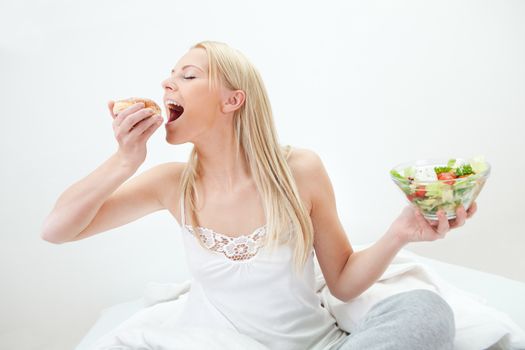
(253, 215)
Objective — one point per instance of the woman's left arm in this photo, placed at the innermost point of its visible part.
(348, 273)
(364, 267)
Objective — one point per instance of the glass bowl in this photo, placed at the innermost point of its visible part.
(433, 184)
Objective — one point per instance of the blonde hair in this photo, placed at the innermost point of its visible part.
(287, 220)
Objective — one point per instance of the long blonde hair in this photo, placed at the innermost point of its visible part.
(287, 219)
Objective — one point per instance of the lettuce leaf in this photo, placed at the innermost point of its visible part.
(435, 189)
(464, 169)
(398, 176)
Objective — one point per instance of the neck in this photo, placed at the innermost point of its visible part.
(220, 168)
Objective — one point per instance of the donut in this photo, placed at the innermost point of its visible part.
(123, 104)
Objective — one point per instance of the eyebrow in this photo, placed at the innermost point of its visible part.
(186, 66)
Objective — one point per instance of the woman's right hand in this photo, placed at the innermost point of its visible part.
(133, 126)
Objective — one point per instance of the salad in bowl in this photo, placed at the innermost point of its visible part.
(436, 184)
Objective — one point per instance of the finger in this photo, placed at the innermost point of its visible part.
(151, 129)
(139, 128)
(472, 209)
(122, 115)
(443, 226)
(461, 216)
(110, 106)
(133, 119)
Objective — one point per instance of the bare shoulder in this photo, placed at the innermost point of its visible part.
(303, 159)
(170, 168)
(306, 166)
(167, 178)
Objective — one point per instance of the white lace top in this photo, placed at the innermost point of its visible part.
(238, 284)
(234, 248)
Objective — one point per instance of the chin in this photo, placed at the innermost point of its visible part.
(174, 140)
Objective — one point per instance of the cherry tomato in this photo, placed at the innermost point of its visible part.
(447, 176)
(420, 191)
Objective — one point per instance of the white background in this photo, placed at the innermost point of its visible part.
(367, 85)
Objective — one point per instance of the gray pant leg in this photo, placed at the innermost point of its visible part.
(418, 319)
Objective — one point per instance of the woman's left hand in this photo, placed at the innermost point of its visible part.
(411, 225)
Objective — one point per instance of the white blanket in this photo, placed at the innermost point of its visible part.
(478, 326)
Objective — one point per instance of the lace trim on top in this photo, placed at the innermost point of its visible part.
(234, 248)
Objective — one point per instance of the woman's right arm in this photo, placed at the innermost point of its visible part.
(79, 204)
(101, 200)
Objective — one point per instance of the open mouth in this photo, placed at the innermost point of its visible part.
(174, 112)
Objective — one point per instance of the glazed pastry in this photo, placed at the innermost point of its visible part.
(123, 104)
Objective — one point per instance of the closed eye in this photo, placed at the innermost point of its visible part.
(189, 78)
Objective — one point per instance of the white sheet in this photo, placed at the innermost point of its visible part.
(478, 326)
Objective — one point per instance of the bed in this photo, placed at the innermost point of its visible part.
(503, 295)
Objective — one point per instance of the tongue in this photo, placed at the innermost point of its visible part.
(175, 114)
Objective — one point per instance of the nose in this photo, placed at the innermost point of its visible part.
(168, 84)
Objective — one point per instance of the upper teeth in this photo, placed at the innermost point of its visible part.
(173, 102)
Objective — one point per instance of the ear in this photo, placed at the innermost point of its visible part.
(233, 101)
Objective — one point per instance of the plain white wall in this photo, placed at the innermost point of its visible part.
(366, 85)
